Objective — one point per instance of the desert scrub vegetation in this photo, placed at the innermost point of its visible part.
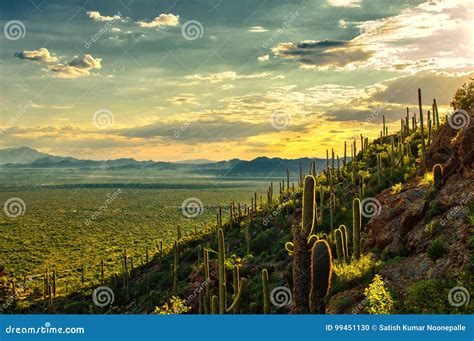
(259, 239)
(358, 271)
(378, 299)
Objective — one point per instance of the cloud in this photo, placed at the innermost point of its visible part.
(77, 67)
(432, 36)
(183, 99)
(225, 75)
(56, 107)
(205, 130)
(322, 54)
(344, 3)
(257, 29)
(161, 21)
(96, 16)
(391, 98)
(263, 58)
(41, 55)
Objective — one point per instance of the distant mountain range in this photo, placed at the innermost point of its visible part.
(26, 157)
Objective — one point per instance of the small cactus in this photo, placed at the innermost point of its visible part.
(438, 175)
(340, 250)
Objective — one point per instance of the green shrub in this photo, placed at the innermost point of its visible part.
(435, 208)
(464, 97)
(436, 249)
(346, 276)
(342, 303)
(378, 298)
(174, 306)
(427, 297)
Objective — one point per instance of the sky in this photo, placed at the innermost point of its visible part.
(221, 79)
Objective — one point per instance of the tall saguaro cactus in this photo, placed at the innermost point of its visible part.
(422, 129)
(266, 297)
(222, 299)
(301, 254)
(356, 227)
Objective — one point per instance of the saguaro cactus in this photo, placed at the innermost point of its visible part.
(175, 266)
(222, 278)
(356, 227)
(438, 175)
(422, 129)
(301, 254)
(321, 272)
(340, 250)
(332, 209)
(266, 297)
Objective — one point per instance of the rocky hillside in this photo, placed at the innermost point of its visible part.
(426, 232)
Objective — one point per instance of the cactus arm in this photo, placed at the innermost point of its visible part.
(221, 256)
(235, 303)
